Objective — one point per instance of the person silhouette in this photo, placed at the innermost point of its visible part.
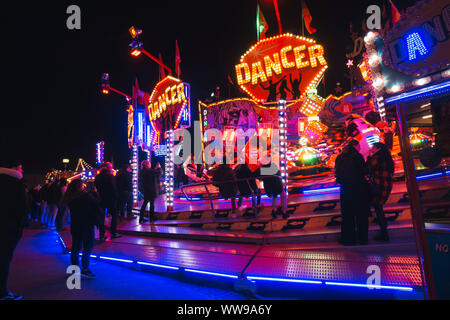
(272, 88)
(284, 90)
(295, 84)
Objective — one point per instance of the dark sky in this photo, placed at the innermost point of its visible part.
(52, 106)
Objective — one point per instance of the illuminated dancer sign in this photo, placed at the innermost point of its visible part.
(169, 109)
(284, 67)
(169, 105)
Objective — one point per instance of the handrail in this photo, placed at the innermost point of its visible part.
(216, 183)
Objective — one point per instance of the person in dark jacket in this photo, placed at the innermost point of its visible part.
(150, 189)
(273, 187)
(43, 194)
(248, 188)
(62, 209)
(381, 169)
(125, 190)
(85, 215)
(53, 199)
(227, 188)
(13, 212)
(35, 202)
(350, 171)
(105, 183)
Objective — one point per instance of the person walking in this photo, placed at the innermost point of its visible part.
(125, 190)
(381, 169)
(43, 194)
(150, 189)
(105, 183)
(350, 171)
(35, 203)
(85, 215)
(62, 209)
(13, 211)
(53, 198)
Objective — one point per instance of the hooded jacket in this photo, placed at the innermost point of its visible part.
(85, 212)
(105, 182)
(13, 199)
(150, 182)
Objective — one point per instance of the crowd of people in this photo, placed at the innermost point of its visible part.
(363, 183)
(58, 203)
(240, 183)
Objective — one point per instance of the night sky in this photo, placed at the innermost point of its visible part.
(52, 105)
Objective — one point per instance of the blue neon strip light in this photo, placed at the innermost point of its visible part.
(344, 284)
(62, 241)
(92, 255)
(252, 278)
(141, 127)
(193, 198)
(148, 136)
(116, 259)
(156, 265)
(336, 189)
(429, 176)
(419, 92)
(212, 273)
(322, 190)
(284, 280)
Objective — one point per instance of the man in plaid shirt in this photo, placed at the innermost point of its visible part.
(381, 168)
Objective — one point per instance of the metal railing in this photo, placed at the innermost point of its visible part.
(211, 197)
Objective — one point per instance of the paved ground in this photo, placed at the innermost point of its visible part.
(38, 272)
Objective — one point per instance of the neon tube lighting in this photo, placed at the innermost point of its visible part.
(322, 190)
(92, 255)
(212, 273)
(429, 176)
(156, 265)
(284, 280)
(369, 286)
(412, 94)
(62, 241)
(252, 278)
(116, 259)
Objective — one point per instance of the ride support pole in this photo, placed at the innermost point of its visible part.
(423, 251)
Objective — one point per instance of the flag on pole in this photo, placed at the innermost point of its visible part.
(177, 59)
(307, 18)
(162, 73)
(261, 24)
(230, 80)
(395, 13)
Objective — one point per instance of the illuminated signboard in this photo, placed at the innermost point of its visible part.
(281, 67)
(167, 104)
(419, 43)
(130, 126)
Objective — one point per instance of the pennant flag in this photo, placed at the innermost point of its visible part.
(261, 24)
(364, 27)
(177, 59)
(162, 73)
(395, 13)
(307, 18)
(230, 80)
